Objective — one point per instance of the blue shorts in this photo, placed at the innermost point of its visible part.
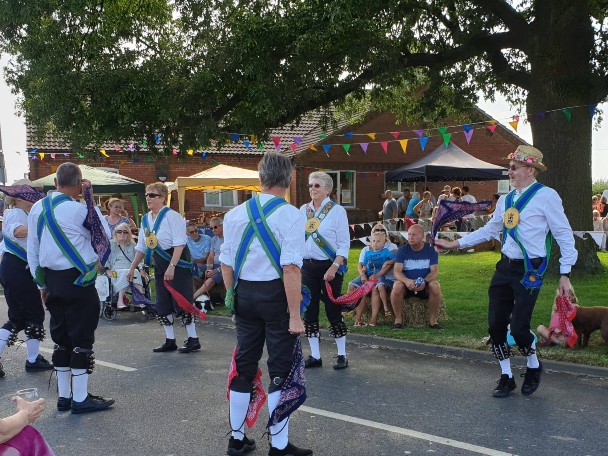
(388, 283)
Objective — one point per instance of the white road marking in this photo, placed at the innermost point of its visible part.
(406, 432)
(101, 363)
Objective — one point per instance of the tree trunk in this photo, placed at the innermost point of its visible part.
(560, 65)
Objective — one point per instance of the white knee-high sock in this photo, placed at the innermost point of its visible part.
(314, 347)
(80, 384)
(63, 381)
(505, 367)
(191, 328)
(33, 349)
(279, 433)
(341, 343)
(169, 328)
(532, 360)
(239, 403)
(4, 335)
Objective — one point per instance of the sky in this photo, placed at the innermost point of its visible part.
(15, 156)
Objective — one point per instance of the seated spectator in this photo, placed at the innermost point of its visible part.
(597, 221)
(199, 246)
(416, 270)
(213, 274)
(122, 252)
(116, 208)
(386, 272)
(17, 437)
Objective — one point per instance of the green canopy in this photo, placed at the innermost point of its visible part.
(106, 183)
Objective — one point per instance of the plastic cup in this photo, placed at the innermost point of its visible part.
(29, 394)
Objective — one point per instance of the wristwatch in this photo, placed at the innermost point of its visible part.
(565, 274)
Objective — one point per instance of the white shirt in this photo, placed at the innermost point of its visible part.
(13, 219)
(287, 226)
(171, 232)
(70, 216)
(469, 199)
(544, 212)
(333, 228)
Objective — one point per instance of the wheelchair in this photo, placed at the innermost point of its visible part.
(108, 299)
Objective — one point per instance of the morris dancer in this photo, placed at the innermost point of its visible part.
(262, 244)
(162, 236)
(63, 260)
(529, 217)
(25, 310)
(325, 254)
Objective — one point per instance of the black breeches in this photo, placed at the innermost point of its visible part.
(312, 277)
(182, 282)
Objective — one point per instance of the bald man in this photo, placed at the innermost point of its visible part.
(416, 270)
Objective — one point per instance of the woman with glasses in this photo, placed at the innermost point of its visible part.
(162, 237)
(117, 215)
(327, 242)
(122, 252)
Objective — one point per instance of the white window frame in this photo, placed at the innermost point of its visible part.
(221, 202)
(400, 186)
(503, 187)
(338, 189)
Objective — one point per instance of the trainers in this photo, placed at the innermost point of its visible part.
(239, 447)
(531, 380)
(289, 450)
(64, 404)
(312, 362)
(190, 345)
(91, 404)
(341, 362)
(504, 387)
(168, 346)
(38, 365)
(2, 373)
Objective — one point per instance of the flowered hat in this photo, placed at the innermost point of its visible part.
(22, 189)
(529, 156)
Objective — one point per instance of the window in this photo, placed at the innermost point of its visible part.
(399, 186)
(344, 187)
(503, 187)
(220, 198)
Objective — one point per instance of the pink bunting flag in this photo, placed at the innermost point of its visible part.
(52, 155)
(384, 145)
(364, 147)
(395, 134)
(293, 147)
(492, 128)
(117, 148)
(468, 135)
(276, 140)
(174, 151)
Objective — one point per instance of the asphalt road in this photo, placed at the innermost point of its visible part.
(388, 402)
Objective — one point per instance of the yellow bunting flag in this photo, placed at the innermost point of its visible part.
(103, 152)
(41, 155)
(372, 136)
(313, 148)
(190, 152)
(403, 143)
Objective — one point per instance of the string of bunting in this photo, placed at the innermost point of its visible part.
(402, 137)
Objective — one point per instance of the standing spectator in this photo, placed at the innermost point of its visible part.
(69, 290)
(163, 236)
(603, 206)
(117, 214)
(325, 253)
(424, 209)
(267, 302)
(445, 194)
(433, 199)
(467, 220)
(410, 212)
(594, 201)
(402, 203)
(389, 211)
(597, 221)
(199, 246)
(213, 274)
(526, 215)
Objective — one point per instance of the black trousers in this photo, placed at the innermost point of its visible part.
(261, 315)
(74, 310)
(511, 303)
(22, 294)
(182, 282)
(312, 276)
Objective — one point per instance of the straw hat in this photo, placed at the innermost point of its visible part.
(528, 155)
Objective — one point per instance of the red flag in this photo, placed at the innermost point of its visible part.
(259, 395)
(184, 303)
(353, 297)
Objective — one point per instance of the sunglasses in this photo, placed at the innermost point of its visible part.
(217, 227)
(515, 168)
(121, 232)
(314, 185)
(153, 195)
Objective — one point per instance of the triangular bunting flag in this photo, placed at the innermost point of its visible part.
(144, 143)
(349, 134)
(117, 148)
(247, 144)
(313, 148)
(384, 145)
(468, 135)
(131, 147)
(174, 151)
(52, 155)
(513, 124)
(423, 141)
(491, 122)
(293, 147)
(157, 138)
(395, 134)
(276, 140)
(467, 127)
(261, 145)
(591, 108)
(403, 143)
(326, 148)
(567, 113)
(204, 155)
(234, 137)
(442, 130)
(190, 152)
(323, 135)
(41, 155)
(446, 138)
(539, 115)
(364, 147)
(492, 128)
(103, 152)
(297, 139)
(346, 148)
(66, 155)
(419, 133)
(372, 136)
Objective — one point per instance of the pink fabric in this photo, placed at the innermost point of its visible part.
(184, 303)
(29, 442)
(353, 296)
(259, 395)
(565, 312)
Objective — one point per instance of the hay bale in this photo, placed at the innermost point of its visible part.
(416, 312)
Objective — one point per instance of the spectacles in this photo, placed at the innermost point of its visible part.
(515, 168)
(314, 185)
(121, 232)
(216, 227)
(153, 195)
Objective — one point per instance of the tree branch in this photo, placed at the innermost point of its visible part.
(507, 14)
(502, 69)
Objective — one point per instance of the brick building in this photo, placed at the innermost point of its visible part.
(359, 176)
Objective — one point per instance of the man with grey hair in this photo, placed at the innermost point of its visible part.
(63, 261)
(389, 211)
(261, 259)
(213, 274)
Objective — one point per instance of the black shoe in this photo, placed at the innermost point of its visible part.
(313, 362)
(531, 380)
(192, 344)
(168, 346)
(289, 450)
(239, 447)
(91, 404)
(341, 362)
(2, 374)
(64, 404)
(505, 385)
(38, 365)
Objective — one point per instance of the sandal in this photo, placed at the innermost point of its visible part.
(388, 313)
(358, 323)
(370, 324)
